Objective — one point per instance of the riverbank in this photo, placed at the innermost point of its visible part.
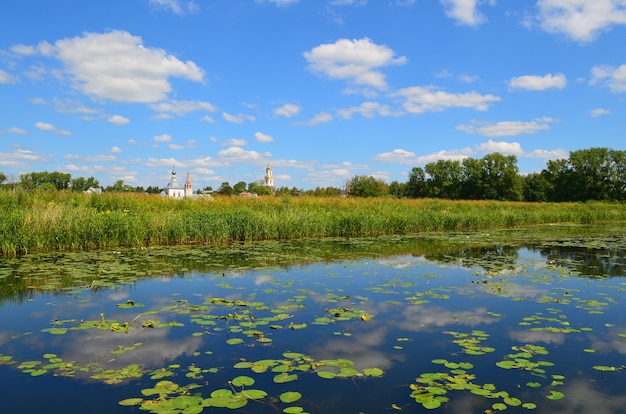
(39, 222)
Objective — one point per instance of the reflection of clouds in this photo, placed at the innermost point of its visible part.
(514, 291)
(582, 398)
(261, 279)
(119, 295)
(402, 262)
(419, 318)
(538, 336)
(156, 347)
(616, 344)
(357, 348)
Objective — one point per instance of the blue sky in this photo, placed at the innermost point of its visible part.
(323, 89)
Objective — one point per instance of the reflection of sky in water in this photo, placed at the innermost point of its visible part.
(416, 306)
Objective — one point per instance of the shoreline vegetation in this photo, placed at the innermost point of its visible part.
(64, 221)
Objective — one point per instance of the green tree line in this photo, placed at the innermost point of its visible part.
(589, 174)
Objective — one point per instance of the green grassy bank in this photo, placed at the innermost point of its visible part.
(36, 222)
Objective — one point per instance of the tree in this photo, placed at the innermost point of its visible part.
(82, 183)
(364, 186)
(493, 177)
(397, 189)
(225, 189)
(559, 180)
(240, 187)
(3, 177)
(60, 181)
(535, 187)
(416, 186)
(445, 177)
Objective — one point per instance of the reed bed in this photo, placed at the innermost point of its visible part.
(38, 222)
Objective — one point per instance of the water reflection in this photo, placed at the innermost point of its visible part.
(456, 306)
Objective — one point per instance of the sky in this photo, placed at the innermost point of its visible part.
(323, 90)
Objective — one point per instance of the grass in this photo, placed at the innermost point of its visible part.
(39, 222)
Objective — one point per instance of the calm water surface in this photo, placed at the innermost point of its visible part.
(532, 327)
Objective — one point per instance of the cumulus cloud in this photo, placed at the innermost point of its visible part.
(506, 128)
(277, 2)
(580, 20)
(238, 119)
(21, 158)
(367, 110)
(596, 112)
(163, 138)
(116, 150)
(464, 11)
(44, 126)
(181, 108)
(355, 60)
(117, 66)
(238, 154)
(13, 130)
(538, 83)
(6, 78)
(405, 157)
(321, 118)
(614, 78)
(287, 110)
(233, 142)
(175, 6)
(261, 137)
(421, 99)
(118, 120)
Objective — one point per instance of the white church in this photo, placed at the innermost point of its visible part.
(175, 190)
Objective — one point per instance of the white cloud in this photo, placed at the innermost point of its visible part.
(235, 143)
(506, 128)
(21, 158)
(278, 2)
(397, 156)
(367, 110)
(44, 126)
(614, 78)
(181, 108)
(238, 119)
(6, 78)
(118, 120)
(596, 112)
(117, 66)
(261, 137)
(287, 110)
(421, 99)
(355, 60)
(321, 118)
(348, 2)
(14, 130)
(163, 138)
(401, 156)
(176, 6)
(538, 83)
(175, 147)
(463, 11)
(116, 150)
(238, 154)
(580, 20)
(91, 158)
(208, 119)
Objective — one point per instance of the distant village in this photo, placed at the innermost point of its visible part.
(175, 190)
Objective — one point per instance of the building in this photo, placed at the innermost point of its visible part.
(269, 178)
(175, 190)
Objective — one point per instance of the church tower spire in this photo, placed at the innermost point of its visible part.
(269, 179)
(188, 187)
